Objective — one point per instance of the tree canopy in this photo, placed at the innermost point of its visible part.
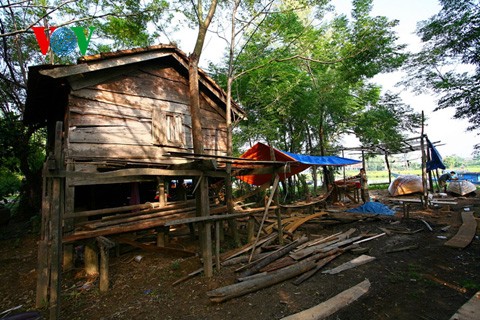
(449, 63)
(305, 80)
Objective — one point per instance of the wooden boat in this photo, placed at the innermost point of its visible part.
(406, 184)
(461, 187)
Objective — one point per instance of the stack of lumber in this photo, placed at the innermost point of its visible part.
(143, 216)
(301, 258)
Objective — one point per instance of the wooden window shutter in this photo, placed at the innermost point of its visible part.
(168, 128)
(158, 130)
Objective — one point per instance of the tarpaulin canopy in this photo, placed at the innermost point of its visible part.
(297, 162)
(322, 160)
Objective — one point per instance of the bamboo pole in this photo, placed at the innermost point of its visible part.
(424, 164)
(275, 185)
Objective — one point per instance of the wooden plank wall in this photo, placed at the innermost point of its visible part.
(125, 118)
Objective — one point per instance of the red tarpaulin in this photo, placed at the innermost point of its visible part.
(261, 151)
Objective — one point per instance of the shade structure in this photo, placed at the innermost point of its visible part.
(296, 162)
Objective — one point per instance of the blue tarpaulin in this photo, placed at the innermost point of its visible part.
(436, 159)
(373, 207)
(322, 160)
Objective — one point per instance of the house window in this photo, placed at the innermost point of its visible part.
(167, 128)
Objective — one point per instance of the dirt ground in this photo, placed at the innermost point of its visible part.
(428, 282)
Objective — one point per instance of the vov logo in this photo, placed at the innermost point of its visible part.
(63, 41)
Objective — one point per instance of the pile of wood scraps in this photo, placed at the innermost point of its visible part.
(301, 258)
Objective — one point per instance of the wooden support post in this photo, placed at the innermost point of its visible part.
(162, 236)
(217, 244)
(205, 229)
(251, 229)
(104, 245)
(424, 164)
(43, 266)
(91, 259)
(56, 219)
(68, 224)
(277, 200)
(161, 191)
(56, 251)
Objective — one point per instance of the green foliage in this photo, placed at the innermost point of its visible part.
(451, 39)
(386, 122)
(9, 183)
(118, 25)
(303, 82)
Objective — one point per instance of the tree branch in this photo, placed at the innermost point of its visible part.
(7, 34)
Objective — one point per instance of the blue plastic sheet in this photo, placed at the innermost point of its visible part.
(373, 207)
(436, 159)
(322, 160)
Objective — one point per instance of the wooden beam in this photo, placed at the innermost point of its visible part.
(206, 219)
(332, 305)
(466, 232)
(470, 310)
(90, 213)
(77, 177)
(136, 226)
(270, 279)
(69, 71)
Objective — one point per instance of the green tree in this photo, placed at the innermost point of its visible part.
(450, 43)
(305, 82)
(22, 147)
(385, 123)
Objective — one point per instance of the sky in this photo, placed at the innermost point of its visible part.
(440, 125)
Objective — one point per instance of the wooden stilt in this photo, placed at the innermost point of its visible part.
(104, 245)
(205, 228)
(161, 191)
(162, 236)
(56, 220)
(91, 259)
(43, 267)
(251, 229)
(217, 244)
(68, 224)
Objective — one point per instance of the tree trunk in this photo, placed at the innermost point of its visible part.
(228, 183)
(197, 136)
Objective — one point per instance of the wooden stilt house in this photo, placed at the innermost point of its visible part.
(119, 125)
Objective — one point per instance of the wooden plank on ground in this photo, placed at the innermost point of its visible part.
(301, 221)
(350, 264)
(332, 305)
(466, 232)
(241, 288)
(470, 310)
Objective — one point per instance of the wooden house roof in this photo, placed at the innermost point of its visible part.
(48, 85)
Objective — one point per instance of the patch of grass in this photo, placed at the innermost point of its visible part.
(414, 271)
(175, 265)
(469, 284)
(378, 186)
